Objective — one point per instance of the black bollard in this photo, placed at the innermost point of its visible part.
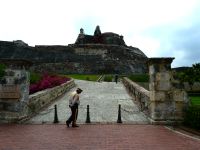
(88, 115)
(55, 115)
(119, 120)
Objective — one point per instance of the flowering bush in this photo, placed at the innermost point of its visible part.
(47, 81)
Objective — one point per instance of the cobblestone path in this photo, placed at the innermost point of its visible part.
(103, 99)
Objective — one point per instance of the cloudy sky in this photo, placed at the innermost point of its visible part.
(160, 28)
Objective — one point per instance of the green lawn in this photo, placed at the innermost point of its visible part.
(195, 100)
(84, 77)
(108, 78)
(139, 77)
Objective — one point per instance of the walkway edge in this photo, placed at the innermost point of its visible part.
(175, 131)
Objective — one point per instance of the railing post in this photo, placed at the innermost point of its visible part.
(119, 120)
(55, 115)
(88, 115)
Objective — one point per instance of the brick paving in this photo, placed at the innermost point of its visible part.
(93, 137)
(104, 99)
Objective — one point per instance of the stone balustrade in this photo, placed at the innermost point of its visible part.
(166, 100)
(139, 94)
(40, 99)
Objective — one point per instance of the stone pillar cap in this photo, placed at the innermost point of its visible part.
(163, 60)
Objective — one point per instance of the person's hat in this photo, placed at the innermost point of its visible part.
(79, 90)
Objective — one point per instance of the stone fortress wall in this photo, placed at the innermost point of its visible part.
(103, 57)
(98, 53)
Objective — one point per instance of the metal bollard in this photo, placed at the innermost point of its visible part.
(88, 115)
(55, 115)
(119, 120)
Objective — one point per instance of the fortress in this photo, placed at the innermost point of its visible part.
(98, 53)
(107, 38)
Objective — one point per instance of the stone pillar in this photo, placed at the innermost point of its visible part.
(167, 101)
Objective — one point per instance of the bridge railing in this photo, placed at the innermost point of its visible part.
(140, 95)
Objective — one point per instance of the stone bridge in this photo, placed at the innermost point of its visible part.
(164, 102)
(103, 99)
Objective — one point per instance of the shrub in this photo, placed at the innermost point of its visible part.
(194, 98)
(35, 77)
(190, 75)
(192, 117)
(47, 81)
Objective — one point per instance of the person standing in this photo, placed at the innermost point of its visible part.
(74, 102)
(116, 78)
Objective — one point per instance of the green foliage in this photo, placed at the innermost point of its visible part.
(190, 75)
(192, 117)
(108, 78)
(196, 71)
(35, 77)
(2, 70)
(195, 100)
(139, 77)
(84, 77)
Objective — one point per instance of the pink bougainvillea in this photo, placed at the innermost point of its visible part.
(47, 81)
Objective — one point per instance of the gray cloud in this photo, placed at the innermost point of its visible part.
(186, 41)
(181, 41)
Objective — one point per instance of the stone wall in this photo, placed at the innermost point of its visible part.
(15, 90)
(40, 99)
(14, 93)
(168, 99)
(79, 58)
(35, 103)
(193, 88)
(140, 95)
(86, 51)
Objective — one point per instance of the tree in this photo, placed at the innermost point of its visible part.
(196, 71)
(190, 75)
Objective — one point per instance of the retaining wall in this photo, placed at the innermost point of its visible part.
(42, 98)
(35, 103)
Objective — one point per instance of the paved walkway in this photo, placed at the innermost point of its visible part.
(93, 137)
(103, 99)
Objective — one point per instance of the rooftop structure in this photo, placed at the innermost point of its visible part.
(100, 38)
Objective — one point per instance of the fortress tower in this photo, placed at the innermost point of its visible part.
(100, 38)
